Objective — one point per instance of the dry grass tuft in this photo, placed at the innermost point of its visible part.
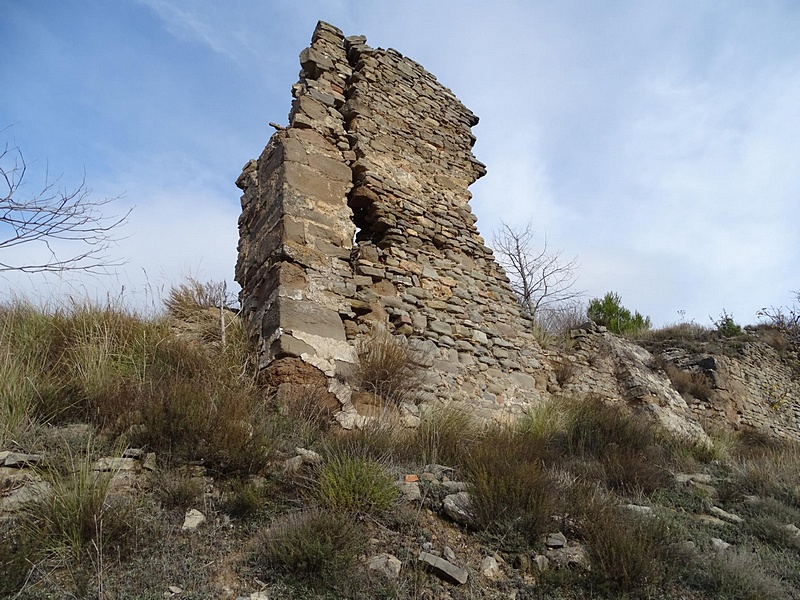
(390, 368)
(316, 547)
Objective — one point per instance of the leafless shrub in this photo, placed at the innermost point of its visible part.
(539, 277)
(564, 370)
(51, 219)
(560, 319)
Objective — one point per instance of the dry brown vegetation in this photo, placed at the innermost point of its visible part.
(83, 382)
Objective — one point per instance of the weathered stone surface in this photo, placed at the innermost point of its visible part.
(418, 261)
(444, 569)
(194, 519)
(20, 459)
(357, 216)
(725, 515)
(458, 507)
(719, 545)
(490, 568)
(115, 464)
(386, 564)
(409, 491)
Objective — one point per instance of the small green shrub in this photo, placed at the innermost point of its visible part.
(609, 312)
(314, 546)
(726, 326)
(347, 481)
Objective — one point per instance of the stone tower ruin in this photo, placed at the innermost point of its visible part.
(357, 214)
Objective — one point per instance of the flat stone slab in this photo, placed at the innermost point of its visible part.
(725, 515)
(20, 459)
(194, 519)
(444, 569)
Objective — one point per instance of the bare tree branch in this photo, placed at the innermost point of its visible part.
(53, 215)
(539, 278)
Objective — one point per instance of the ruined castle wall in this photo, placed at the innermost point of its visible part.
(753, 387)
(358, 214)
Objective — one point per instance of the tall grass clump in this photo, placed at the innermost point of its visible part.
(77, 514)
(621, 448)
(627, 552)
(24, 375)
(390, 368)
(444, 436)
(767, 468)
(74, 526)
(513, 493)
(593, 427)
(143, 378)
(200, 312)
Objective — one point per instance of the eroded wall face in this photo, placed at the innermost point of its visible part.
(358, 213)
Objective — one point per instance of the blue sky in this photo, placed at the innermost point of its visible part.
(656, 141)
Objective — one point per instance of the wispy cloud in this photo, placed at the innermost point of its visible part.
(193, 24)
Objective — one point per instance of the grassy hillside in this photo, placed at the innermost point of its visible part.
(295, 507)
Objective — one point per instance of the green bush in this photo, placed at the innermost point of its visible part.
(609, 312)
(347, 481)
(726, 326)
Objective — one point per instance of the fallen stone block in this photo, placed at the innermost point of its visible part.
(444, 569)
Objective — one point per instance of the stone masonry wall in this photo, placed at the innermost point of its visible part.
(358, 213)
(753, 388)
